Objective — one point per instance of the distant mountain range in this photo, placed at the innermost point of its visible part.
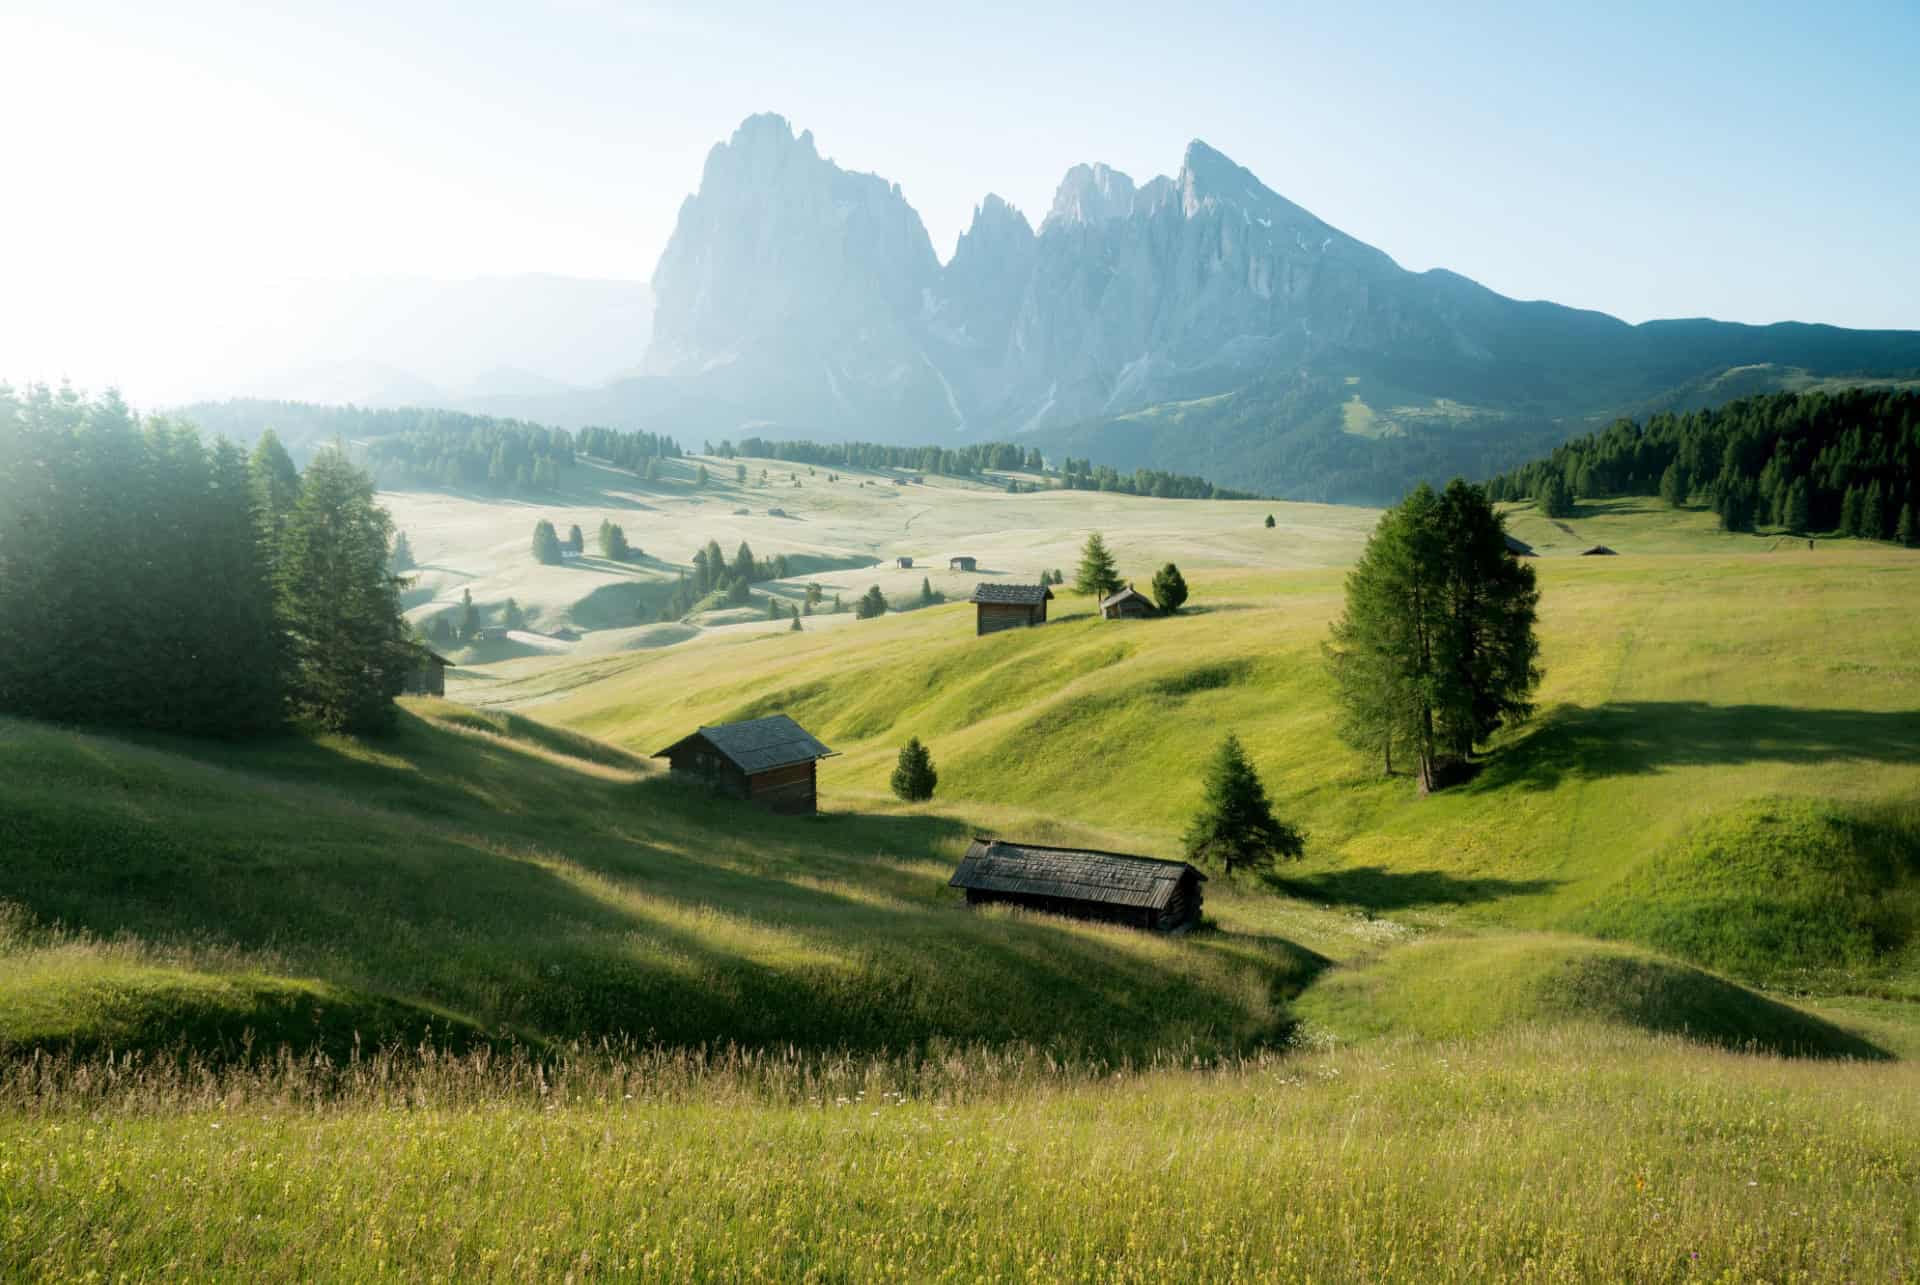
(1200, 322)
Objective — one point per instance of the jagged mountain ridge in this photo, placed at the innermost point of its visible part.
(800, 298)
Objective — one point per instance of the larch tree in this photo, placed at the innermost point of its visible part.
(1436, 648)
(1096, 574)
(546, 543)
(337, 603)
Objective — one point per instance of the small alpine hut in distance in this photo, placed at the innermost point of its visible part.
(1008, 606)
(1141, 892)
(1128, 604)
(903, 563)
(1598, 551)
(770, 762)
(962, 563)
(428, 677)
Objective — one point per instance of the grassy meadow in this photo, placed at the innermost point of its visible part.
(492, 999)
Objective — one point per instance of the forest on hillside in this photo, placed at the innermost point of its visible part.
(1847, 462)
(151, 580)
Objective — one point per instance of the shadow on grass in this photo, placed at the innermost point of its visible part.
(1378, 888)
(431, 872)
(1630, 738)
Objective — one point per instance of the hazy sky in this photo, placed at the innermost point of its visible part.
(1753, 162)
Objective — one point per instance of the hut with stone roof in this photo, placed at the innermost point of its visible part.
(770, 762)
(1008, 606)
(1140, 892)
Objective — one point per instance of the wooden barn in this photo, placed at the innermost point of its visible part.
(428, 677)
(769, 762)
(1519, 548)
(904, 564)
(1141, 892)
(1008, 606)
(962, 564)
(1128, 604)
(1598, 551)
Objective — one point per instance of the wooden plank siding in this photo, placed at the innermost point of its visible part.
(790, 791)
(995, 616)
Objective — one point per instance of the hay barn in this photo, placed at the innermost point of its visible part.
(1128, 604)
(962, 564)
(428, 677)
(905, 564)
(1519, 548)
(1008, 606)
(770, 762)
(1598, 551)
(1113, 887)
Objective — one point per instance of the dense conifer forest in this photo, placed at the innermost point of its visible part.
(150, 580)
(1847, 463)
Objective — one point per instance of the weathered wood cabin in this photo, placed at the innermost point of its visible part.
(1128, 604)
(1141, 892)
(769, 762)
(428, 677)
(1008, 606)
(962, 563)
(1598, 551)
(1519, 548)
(903, 563)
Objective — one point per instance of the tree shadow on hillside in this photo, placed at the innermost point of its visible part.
(1378, 888)
(1633, 738)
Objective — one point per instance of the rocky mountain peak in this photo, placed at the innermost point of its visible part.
(1091, 194)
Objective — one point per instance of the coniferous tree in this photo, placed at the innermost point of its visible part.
(514, 618)
(1873, 512)
(546, 543)
(347, 658)
(872, 603)
(276, 482)
(1904, 531)
(1554, 497)
(773, 607)
(914, 777)
(743, 565)
(1797, 516)
(1096, 574)
(576, 541)
(1674, 485)
(795, 626)
(1169, 588)
(1235, 825)
(469, 616)
(400, 561)
(1850, 513)
(1269, 521)
(1435, 650)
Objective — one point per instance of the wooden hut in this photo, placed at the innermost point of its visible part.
(428, 677)
(1141, 892)
(1598, 551)
(769, 762)
(1008, 606)
(1128, 604)
(961, 564)
(1519, 548)
(905, 564)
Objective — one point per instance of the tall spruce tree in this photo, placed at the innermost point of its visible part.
(1554, 496)
(1674, 484)
(1904, 531)
(1798, 515)
(576, 541)
(400, 561)
(872, 603)
(340, 608)
(1096, 574)
(469, 617)
(276, 483)
(1436, 649)
(1235, 825)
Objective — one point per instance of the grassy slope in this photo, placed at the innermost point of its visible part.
(1698, 682)
(482, 873)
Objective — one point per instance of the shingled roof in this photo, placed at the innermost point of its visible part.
(759, 744)
(1119, 596)
(1018, 595)
(1078, 874)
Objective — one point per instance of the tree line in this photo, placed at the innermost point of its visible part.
(1083, 475)
(150, 580)
(1846, 462)
(955, 461)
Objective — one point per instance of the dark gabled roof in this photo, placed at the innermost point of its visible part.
(1019, 595)
(1076, 874)
(428, 653)
(1597, 549)
(1113, 599)
(1519, 548)
(758, 745)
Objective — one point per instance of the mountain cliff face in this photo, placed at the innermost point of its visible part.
(798, 297)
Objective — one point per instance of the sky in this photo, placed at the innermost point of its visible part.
(1754, 162)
